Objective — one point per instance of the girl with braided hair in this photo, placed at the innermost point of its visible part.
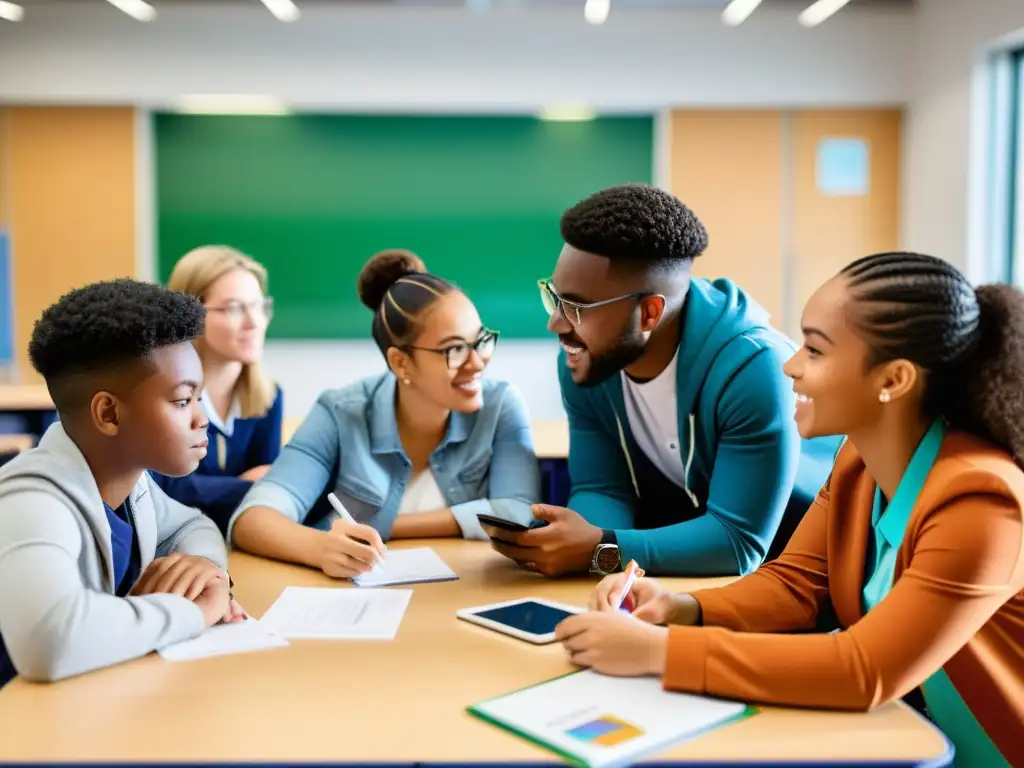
(417, 451)
(917, 540)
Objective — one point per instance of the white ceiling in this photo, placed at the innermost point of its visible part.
(498, 4)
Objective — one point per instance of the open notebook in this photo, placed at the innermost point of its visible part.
(605, 722)
(407, 566)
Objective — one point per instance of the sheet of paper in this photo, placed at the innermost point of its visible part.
(343, 614)
(607, 721)
(223, 639)
(407, 566)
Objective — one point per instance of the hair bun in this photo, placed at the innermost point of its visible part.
(382, 271)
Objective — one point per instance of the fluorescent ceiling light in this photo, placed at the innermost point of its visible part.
(137, 9)
(596, 11)
(231, 104)
(568, 112)
(283, 10)
(11, 11)
(819, 11)
(737, 11)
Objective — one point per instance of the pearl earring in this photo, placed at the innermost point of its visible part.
(884, 396)
(406, 381)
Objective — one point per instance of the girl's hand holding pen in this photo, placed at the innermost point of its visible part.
(349, 548)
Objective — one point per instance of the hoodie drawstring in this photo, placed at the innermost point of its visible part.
(629, 459)
(686, 467)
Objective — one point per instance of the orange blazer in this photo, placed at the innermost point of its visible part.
(956, 602)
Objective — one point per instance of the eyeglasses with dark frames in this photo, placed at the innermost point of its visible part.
(457, 353)
(553, 302)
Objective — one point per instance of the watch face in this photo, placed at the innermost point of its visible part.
(608, 558)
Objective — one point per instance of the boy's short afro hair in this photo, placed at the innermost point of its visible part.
(637, 223)
(110, 323)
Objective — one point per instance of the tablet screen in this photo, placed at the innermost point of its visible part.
(528, 616)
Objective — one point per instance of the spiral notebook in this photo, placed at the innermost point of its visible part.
(407, 566)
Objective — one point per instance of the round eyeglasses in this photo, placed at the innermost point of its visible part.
(456, 353)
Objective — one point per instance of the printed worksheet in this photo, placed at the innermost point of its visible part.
(338, 614)
(224, 639)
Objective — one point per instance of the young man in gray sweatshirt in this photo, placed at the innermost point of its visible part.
(97, 565)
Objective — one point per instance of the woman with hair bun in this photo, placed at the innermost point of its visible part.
(418, 451)
(917, 540)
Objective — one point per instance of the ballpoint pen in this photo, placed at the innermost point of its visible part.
(633, 572)
(347, 517)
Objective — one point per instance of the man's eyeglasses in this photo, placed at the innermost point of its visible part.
(457, 353)
(235, 311)
(571, 309)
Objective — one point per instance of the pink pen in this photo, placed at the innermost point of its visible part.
(633, 572)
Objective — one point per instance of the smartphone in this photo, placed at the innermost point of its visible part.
(495, 526)
(507, 525)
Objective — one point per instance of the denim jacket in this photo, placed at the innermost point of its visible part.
(349, 444)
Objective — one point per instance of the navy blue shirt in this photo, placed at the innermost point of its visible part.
(124, 546)
(215, 487)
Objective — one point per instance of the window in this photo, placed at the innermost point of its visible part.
(1015, 225)
(1003, 206)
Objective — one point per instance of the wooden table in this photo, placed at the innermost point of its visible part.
(16, 443)
(550, 438)
(31, 407)
(400, 701)
(24, 397)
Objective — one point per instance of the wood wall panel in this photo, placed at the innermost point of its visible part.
(7, 370)
(828, 231)
(750, 175)
(727, 165)
(5, 171)
(72, 205)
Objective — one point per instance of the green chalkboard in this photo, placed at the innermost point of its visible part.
(313, 196)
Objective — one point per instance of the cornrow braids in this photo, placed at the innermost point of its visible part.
(970, 343)
(397, 288)
(395, 321)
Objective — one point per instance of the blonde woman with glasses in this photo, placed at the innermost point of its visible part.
(419, 450)
(243, 406)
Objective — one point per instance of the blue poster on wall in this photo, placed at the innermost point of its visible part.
(6, 320)
(843, 167)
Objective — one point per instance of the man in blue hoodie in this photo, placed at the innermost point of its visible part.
(683, 450)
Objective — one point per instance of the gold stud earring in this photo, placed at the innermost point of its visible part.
(884, 396)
